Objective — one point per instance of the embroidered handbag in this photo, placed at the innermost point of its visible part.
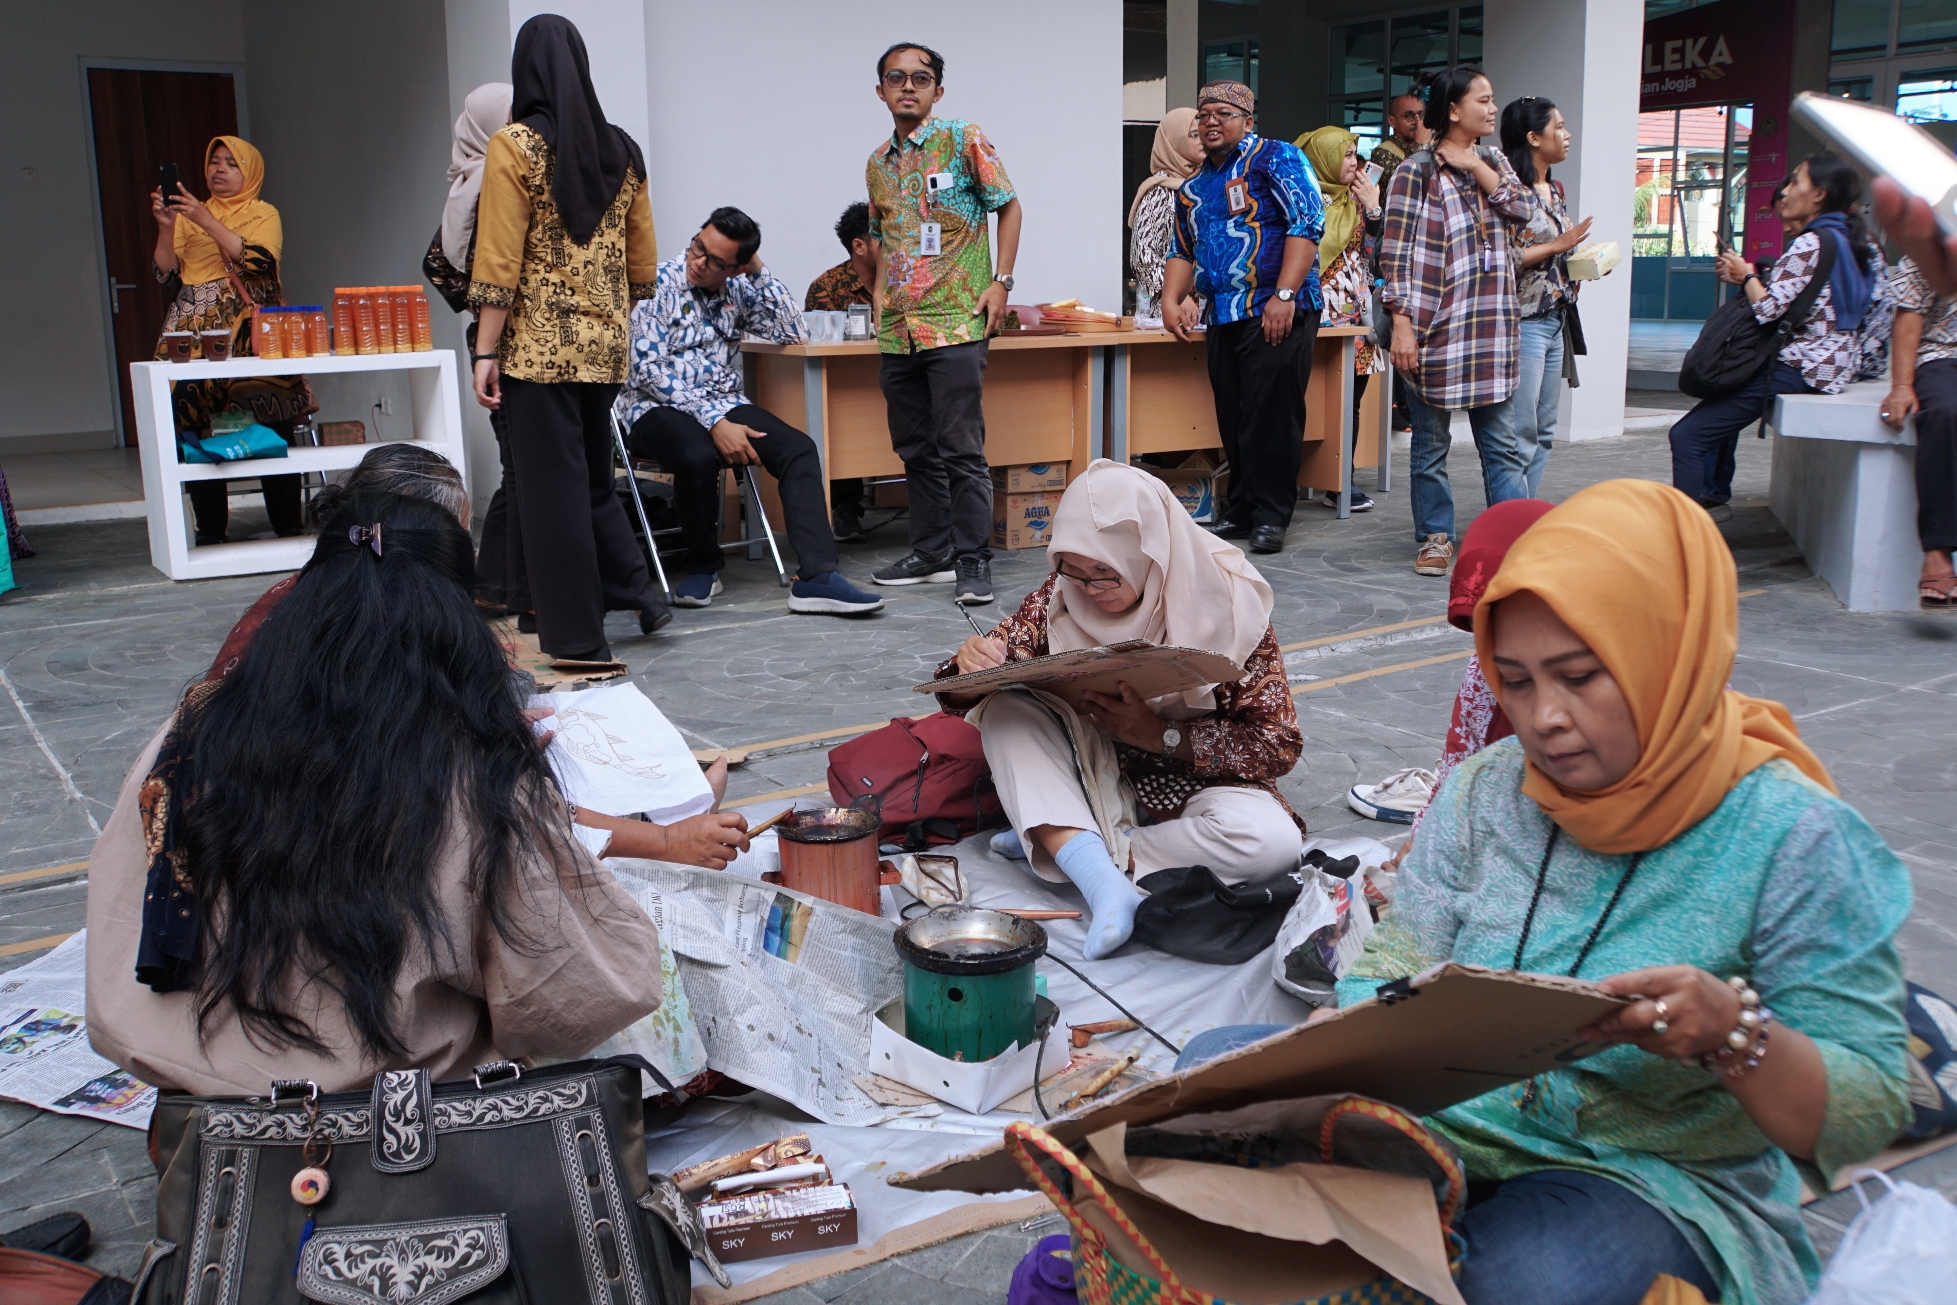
(1101, 1279)
(518, 1186)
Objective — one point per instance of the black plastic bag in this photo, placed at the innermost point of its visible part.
(1191, 913)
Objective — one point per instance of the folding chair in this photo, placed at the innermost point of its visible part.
(750, 503)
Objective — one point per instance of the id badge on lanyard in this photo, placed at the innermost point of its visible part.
(930, 235)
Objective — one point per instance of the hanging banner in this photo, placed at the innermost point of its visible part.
(1732, 52)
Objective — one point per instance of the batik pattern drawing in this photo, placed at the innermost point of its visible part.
(427, 1263)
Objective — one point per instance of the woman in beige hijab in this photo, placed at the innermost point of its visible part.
(1125, 787)
(1152, 217)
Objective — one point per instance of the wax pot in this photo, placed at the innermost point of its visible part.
(968, 981)
(831, 853)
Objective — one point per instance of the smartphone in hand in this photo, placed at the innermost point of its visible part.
(1885, 144)
(166, 179)
(1373, 171)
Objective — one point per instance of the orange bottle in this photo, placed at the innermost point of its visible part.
(404, 319)
(294, 322)
(424, 330)
(384, 317)
(318, 340)
(267, 333)
(366, 321)
(342, 321)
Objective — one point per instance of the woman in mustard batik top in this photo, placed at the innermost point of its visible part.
(564, 246)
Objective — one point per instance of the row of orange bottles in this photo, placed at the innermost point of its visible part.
(298, 332)
(381, 319)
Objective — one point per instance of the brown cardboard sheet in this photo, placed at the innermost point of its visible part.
(1452, 1033)
(1150, 670)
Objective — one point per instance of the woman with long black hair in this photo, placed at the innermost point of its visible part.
(1824, 352)
(1535, 139)
(349, 854)
(564, 246)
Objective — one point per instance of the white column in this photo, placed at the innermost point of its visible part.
(1583, 54)
(1185, 59)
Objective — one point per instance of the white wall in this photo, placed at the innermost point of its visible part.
(770, 105)
(56, 363)
(1583, 54)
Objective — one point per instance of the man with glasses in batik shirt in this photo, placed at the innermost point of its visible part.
(1247, 231)
(940, 296)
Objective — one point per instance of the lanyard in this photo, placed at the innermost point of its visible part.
(1542, 876)
(1473, 201)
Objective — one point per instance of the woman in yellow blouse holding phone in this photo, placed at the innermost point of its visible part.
(564, 246)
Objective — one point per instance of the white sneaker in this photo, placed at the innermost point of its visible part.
(1397, 798)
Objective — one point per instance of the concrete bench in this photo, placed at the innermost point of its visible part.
(1844, 485)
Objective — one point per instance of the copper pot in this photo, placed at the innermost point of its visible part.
(831, 853)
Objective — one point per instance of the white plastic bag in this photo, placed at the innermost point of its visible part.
(1321, 936)
(1902, 1250)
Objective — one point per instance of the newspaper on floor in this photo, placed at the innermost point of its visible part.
(782, 986)
(615, 752)
(45, 1059)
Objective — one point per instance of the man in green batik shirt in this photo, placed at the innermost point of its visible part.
(932, 185)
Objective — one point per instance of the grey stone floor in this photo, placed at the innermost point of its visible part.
(96, 648)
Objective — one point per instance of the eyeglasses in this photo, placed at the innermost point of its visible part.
(1220, 116)
(923, 79)
(1108, 582)
(697, 250)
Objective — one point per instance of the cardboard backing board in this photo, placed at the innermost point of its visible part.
(1451, 1033)
(1152, 671)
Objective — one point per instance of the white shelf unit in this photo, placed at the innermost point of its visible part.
(434, 402)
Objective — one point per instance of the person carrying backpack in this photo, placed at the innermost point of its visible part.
(1820, 353)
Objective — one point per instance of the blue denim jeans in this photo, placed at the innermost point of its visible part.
(1504, 466)
(1539, 392)
(1553, 1237)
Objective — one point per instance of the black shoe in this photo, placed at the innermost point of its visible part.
(1267, 539)
(526, 622)
(1228, 530)
(917, 569)
(974, 581)
(602, 653)
(846, 527)
(654, 616)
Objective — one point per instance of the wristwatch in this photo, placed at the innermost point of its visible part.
(1004, 279)
(1286, 296)
(1171, 740)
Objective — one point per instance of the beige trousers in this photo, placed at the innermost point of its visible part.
(1239, 833)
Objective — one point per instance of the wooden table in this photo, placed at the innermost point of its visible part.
(1160, 401)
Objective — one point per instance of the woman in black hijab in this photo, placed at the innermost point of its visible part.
(564, 214)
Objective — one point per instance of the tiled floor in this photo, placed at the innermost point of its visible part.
(97, 647)
(50, 480)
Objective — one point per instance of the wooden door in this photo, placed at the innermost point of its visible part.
(144, 119)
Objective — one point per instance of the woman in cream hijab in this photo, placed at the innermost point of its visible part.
(1652, 830)
(1152, 217)
(1129, 563)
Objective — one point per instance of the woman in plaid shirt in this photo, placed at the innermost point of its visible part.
(1451, 291)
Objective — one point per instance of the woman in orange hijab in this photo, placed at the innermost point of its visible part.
(1650, 828)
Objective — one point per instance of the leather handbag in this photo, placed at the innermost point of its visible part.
(513, 1186)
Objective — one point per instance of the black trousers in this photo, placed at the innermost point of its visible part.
(935, 401)
(210, 506)
(1260, 413)
(1936, 455)
(499, 559)
(682, 446)
(578, 549)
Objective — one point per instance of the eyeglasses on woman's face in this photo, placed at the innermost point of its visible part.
(1103, 583)
(923, 79)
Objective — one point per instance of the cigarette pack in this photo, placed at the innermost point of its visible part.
(1593, 261)
(757, 1225)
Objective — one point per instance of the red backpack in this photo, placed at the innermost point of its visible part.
(930, 769)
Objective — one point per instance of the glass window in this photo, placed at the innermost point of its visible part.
(1363, 119)
(1470, 34)
(1926, 24)
(1231, 61)
(1419, 45)
(1358, 58)
(1861, 27)
(1928, 96)
(1853, 88)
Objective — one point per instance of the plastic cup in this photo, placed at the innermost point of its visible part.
(217, 345)
(179, 346)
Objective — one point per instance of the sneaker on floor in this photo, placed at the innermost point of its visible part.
(830, 593)
(974, 581)
(696, 591)
(1360, 502)
(1398, 798)
(847, 527)
(917, 569)
(1435, 556)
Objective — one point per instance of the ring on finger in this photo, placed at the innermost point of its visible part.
(1661, 1025)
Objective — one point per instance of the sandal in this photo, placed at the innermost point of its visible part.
(1937, 592)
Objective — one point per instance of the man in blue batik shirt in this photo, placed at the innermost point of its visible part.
(683, 406)
(1247, 231)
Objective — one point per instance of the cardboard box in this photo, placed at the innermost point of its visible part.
(1151, 669)
(336, 434)
(757, 1225)
(1030, 478)
(1023, 520)
(1194, 488)
(977, 1087)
